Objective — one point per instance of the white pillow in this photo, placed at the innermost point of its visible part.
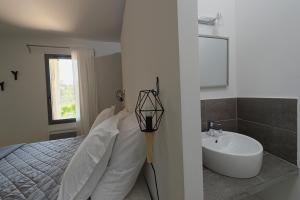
(105, 114)
(90, 160)
(127, 159)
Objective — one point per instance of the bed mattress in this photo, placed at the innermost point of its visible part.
(34, 171)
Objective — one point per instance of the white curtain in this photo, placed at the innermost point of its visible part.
(85, 88)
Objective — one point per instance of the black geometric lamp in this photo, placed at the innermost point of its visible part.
(149, 112)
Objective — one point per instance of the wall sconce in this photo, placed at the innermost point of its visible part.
(149, 112)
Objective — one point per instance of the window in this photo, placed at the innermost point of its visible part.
(60, 89)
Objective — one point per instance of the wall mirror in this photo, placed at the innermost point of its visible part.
(214, 61)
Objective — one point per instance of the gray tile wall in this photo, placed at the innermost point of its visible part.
(271, 121)
(223, 111)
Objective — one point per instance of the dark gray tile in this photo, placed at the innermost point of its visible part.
(283, 143)
(220, 109)
(252, 197)
(204, 126)
(203, 114)
(226, 125)
(229, 125)
(281, 113)
(273, 168)
(257, 131)
(280, 142)
(273, 122)
(218, 187)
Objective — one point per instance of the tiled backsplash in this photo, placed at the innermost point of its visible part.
(272, 121)
(223, 111)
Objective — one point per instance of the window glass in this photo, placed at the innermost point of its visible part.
(61, 91)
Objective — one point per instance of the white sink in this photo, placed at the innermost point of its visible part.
(232, 154)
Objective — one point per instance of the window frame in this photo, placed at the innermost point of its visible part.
(52, 121)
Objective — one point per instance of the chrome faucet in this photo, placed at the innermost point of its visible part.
(214, 129)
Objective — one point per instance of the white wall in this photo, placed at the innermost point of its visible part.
(23, 105)
(190, 107)
(109, 79)
(268, 49)
(159, 39)
(226, 28)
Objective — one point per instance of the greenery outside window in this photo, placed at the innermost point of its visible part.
(60, 89)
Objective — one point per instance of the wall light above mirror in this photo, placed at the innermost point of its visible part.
(214, 61)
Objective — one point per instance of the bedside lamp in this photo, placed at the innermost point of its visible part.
(149, 111)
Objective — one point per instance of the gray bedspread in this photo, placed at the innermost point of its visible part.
(34, 171)
(4, 151)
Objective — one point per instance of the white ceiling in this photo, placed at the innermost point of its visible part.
(90, 19)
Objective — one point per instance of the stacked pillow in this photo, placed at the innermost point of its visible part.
(108, 161)
(90, 160)
(127, 159)
(105, 114)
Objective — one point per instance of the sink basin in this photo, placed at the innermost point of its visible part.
(232, 154)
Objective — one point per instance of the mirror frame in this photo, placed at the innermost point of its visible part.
(228, 63)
